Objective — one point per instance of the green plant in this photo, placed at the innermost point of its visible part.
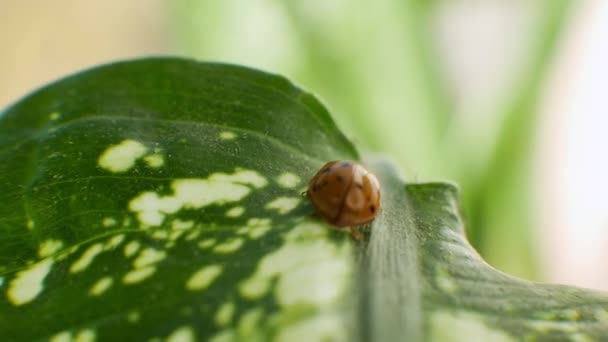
(161, 198)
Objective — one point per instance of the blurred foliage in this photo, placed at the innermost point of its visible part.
(376, 68)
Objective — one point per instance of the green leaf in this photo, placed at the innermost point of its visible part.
(161, 199)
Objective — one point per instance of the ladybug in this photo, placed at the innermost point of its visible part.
(345, 194)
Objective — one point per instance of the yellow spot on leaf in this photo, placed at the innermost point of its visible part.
(137, 275)
(283, 204)
(306, 230)
(182, 334)
(174, 236)
(49, 247)
(178, 224)
(86, 258)
(206, 243)
(249, 322)
(101, 286)
(133, 317)
(160, 235)
(288, 180)
(121, 157)
(224, 314)
(229, 246)
(28, 284)
(193, 235)
(235, 212)
(148, 257)
(154, 160)
(131, 248)
(254, 287)
(114, 241)
(64, 336)
(30, 224)
(227, 135)
(86, 335)
(108, 222)
(224, 336)
(258, 227)
(202, 278)
(54, 116)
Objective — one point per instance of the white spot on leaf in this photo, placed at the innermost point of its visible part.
(86, 258)
(249, 322)
(227, 135)
(154, 160)
(151, 208)
(202, 278)
(28, 284)
(283, 205)
(224, 314)
(86, 335)
(193, 235)
(254, 287)
(182, 334)
(288, 180)
(63, 336)
(137, 275)
(206, 243)
(224, 336)
(160, 235)
(229, 246)
(235, 212)
(148, 257)
(256, 227)
(122, 157)
(101, 286)
(108, 222)
(133, 317)
(131, 248)
(181, 225)
(114, 241)
(49, 247)
(317, 262)
(219, 188)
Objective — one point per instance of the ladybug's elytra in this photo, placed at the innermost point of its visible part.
(345, 194)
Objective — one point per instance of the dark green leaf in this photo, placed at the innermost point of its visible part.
(161, 199)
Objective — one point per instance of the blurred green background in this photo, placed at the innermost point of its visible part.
(451, 89)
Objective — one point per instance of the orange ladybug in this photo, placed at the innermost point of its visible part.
(345, 194)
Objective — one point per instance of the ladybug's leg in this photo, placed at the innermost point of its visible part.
(355, 233)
